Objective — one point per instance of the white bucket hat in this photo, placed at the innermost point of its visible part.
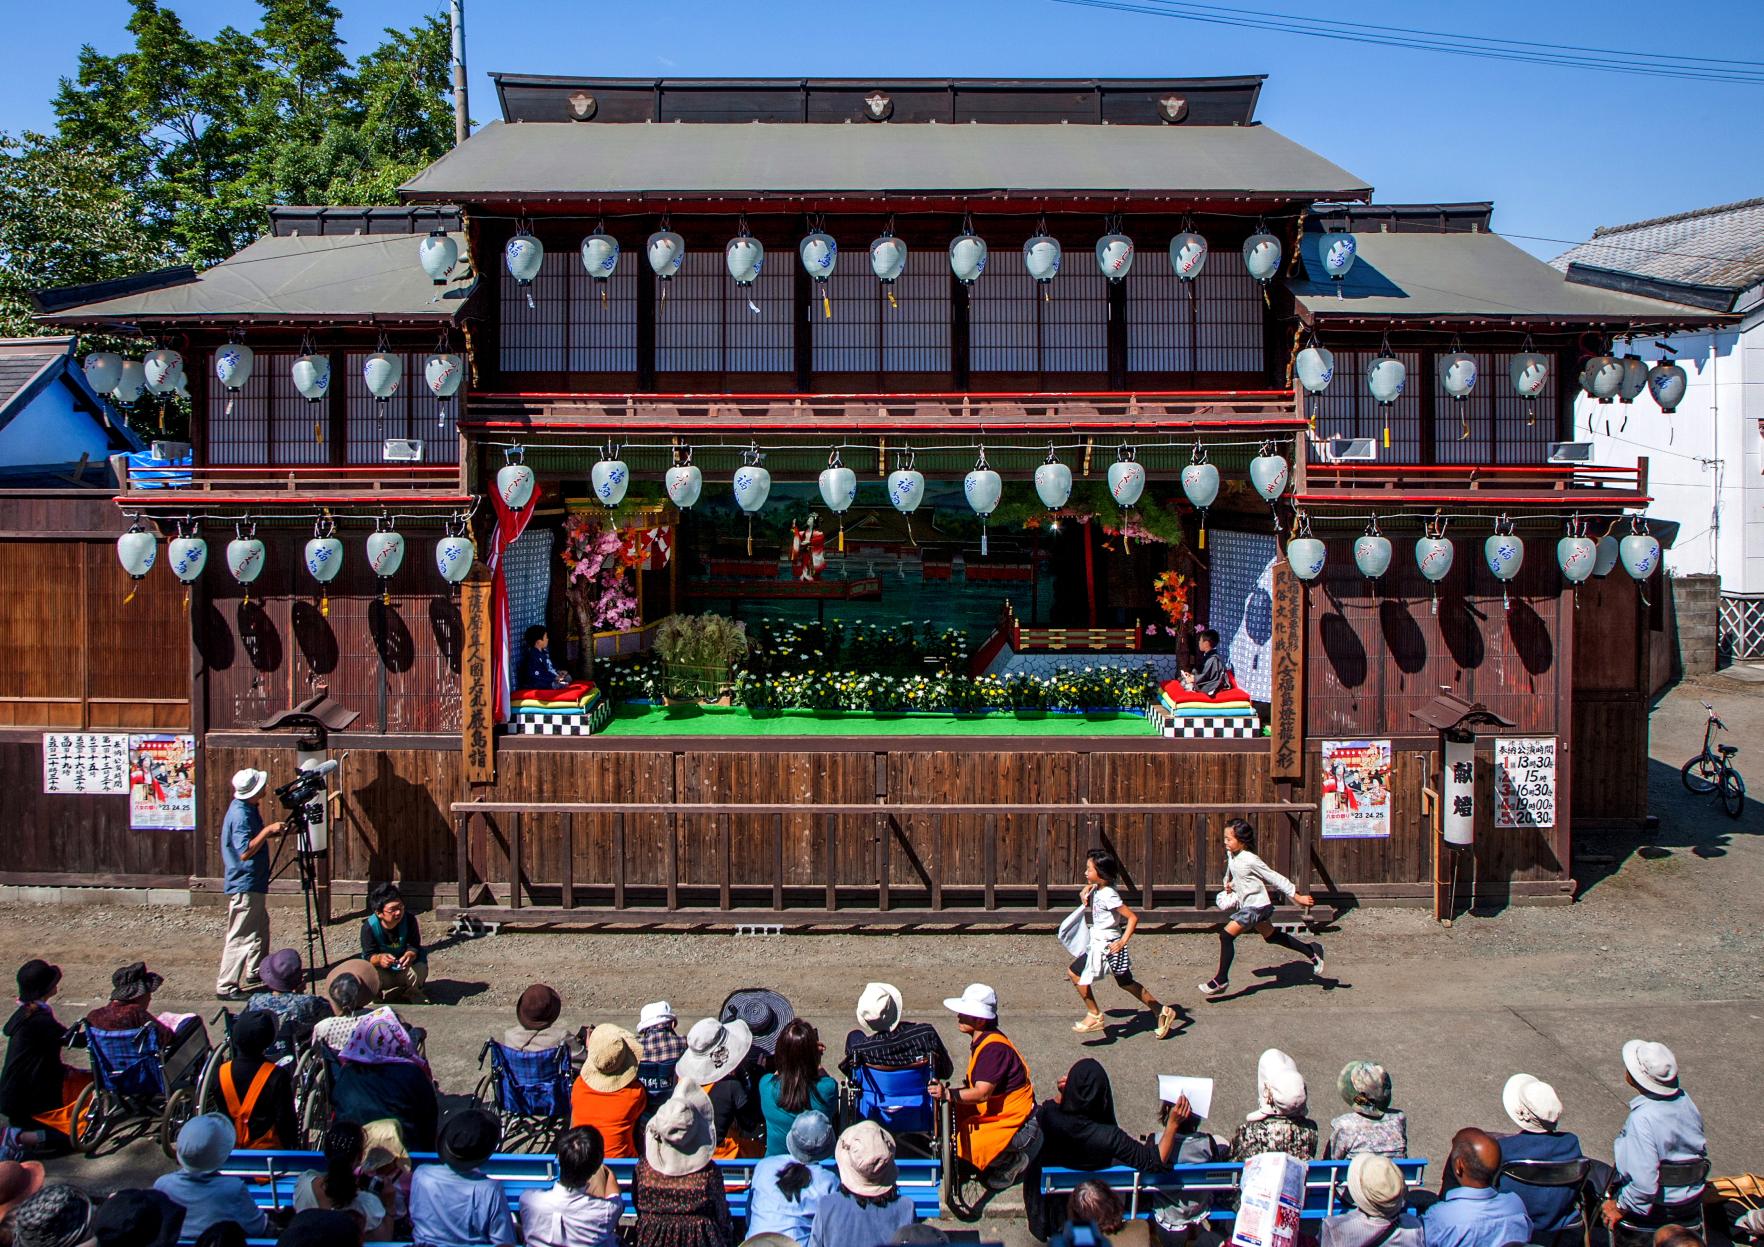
(248, 783)
(654, 1014)
(714, 1050)
(976, 1001)
(1531, 1103)
(682, 1135)
(1652, 1065)
(880, 1008)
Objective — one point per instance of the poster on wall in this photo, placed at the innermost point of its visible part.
(1356, 789)
(162, 783)
(86, 764)
(1525, 781)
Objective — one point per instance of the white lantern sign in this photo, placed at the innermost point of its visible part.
(103, 370)
(438, 253)
(906, 486)
(983, 488)
(233, 364)
(684, 482)
(1261, 256)
(1188, 255)
(1053, 482)
(311, 375)
(1114, 255)
(967, 256)
(609, 478)
(515, 481)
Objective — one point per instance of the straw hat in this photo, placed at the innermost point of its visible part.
(382, 1144)
(1652, 1065)
(1531, 1103)
(1376, 1185)
(866, 1160)
(880, 1008)
(681, 1137)
(248, 783)
(714, 1050)
(612, 1060)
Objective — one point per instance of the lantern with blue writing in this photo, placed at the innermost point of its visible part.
(982, 487)
(600, 258)
(524, 255)
(131, 383)
(1386, 376)
(1188, 255)
(103, 370)
(232, 365)
(1339, 252)
(1261, 256)
(324, 559)
(1529, 372)
(136, 550)
(745, 257)
(1504, 552)
(455, 554)
(967, 256)
(1053, 482)
(1372, 551)
(666, 252)
(1667, 383)
(683, 481)
(1200, 482)
(1639, 552)
(906, 485)
(311, 375)
(838, 485)
(438, 253)
(1305, 553)
(382, 373)
(609, 478)
(888, 259)
(819, 253)
(188, 555)
(752, 485)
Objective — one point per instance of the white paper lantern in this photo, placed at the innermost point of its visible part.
(1261, 256)
(1200, 482)
(838, 485)
(752, 483)
(967, 257)
(1504, 553)
(312, 376)
(1339, 252)
(1602, 376)
(515, 483)
(525, 256)
(1126, 478)
(1433, 557)
(382, 373)
(684, 483)
(161, 368)
(245, 558)
(745, 256)
(1667, 383)
(385, 553)
(103, 370)
(1530, 373)
(438, 253)
(982, 487)
(1639, 553)
(232, 365)
(324, 558)
(1041, 256)
(1188, 255)
(610, 478)
(1606, 557)
(136, 550)
(1576, 556)
(454, 556)
(1634, 380)
(1268, 473)
(1315, 368)
(600, 256)
(444, 373)
(1372, 552)
(1306, 554)
(1457, 375)
(131, 382)
(667, 252)
(188, 555)
(1385, 378)
(819, 255)
(906, 487)
(1053, 483)
(888, 258)
(1114, 255)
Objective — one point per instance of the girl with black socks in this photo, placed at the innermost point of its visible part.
(1248, 881)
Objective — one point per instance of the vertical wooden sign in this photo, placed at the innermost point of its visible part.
(477, 679)
(1286, 697)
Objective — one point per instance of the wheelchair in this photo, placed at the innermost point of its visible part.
(307, 1068)
(135, 1081)
(528, 1091)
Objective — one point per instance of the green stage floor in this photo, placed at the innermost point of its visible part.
(634, 720)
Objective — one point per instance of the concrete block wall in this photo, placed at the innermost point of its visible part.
(1696, 608)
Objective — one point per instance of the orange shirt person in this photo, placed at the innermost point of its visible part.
(999, 1096)
(606, 1094)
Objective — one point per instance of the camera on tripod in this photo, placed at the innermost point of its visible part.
(304, 797)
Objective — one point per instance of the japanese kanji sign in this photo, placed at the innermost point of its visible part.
(477, 681)
(1458, 819)
(86, 764)
(1286, 693)
(1525, 781)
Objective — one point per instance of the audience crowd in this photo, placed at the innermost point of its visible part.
(751, 1084)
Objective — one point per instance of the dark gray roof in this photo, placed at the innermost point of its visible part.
(504, 161)
(360, 277)
(1461, 275)
(1721, 247)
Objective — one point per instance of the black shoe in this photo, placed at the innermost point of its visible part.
(231, 994)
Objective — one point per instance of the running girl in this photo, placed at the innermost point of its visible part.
(1112, 924)
(1247, 881)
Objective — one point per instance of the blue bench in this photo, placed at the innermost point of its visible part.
(1218, 1183)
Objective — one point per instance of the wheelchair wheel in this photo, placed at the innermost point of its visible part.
(94, 1117)
(180, 1107)
(315, 1116)
(208, 1092)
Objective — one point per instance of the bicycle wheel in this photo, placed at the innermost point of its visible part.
(1733, 793)
(1701, 775)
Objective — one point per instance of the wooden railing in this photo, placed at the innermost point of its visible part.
(310, 482)
(1555, 484)
(910, 864)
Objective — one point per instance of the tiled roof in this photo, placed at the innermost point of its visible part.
(1721, 246)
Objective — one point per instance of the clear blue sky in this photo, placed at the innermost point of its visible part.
(1558, 151)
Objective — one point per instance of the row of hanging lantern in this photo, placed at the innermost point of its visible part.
(1387, 376)
(744, 255)
(1623, 379)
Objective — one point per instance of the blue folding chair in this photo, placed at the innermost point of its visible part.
(897, 1099)
(528, 1091)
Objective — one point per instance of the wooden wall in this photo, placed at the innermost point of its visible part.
(1611, 699)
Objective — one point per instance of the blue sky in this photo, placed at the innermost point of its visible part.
(1558, 151)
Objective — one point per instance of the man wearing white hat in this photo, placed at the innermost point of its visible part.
(887, 1040)
(1534, 1107)
(247, 875)
(1664, 1127)
(659, 1036)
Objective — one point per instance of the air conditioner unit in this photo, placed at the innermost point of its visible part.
(1342, 449)
(171, 452)
(1570, 452)
(402, 450)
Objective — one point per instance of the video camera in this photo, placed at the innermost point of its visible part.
(304, 795)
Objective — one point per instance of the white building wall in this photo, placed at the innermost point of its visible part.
(1706, 460)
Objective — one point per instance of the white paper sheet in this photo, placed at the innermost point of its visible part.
(1172, 1087)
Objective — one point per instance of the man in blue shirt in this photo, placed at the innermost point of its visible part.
(1663, 1127)
(453, 1204)
(1474, 1213)
(247, 876)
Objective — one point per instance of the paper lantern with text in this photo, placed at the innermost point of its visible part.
(1053, 482)
(103, 370)
(1041, 257)
(1338, 252)
(1188, 255)
(161, 369)
(610, 478)
(906, 486)
(1601, 376)
(1634, 379)
(232, 365)
(1305, 553)
(1200, 484)
(1576, 555)
(982, 487)
(683, 481)
(819, 255)
(1261, 256)
(1114, 255)
(1667, 382)
(454, 556)
(1372, 552)
(1268, 473)
(137, 550)
(382, 373)
(1126, 477)
(666, 252)
(438, 253)
(515, 482)
(525, 256)
(311, 375)
(967, 256)
(188, 555)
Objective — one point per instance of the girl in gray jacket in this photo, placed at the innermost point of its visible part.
(1248, 881)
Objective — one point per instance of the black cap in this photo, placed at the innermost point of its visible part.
(134, 982)
(253, 1032)
(469, 1137)
(137, 1218)
(36, 979)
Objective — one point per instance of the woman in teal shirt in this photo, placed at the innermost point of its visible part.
(796, 1084)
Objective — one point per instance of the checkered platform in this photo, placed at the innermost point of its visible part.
(1204, 727)
(550, 723)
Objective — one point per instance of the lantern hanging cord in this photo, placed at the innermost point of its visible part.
(1325, 511)
(870, 444)
(334, 514)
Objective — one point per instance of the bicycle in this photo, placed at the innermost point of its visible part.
(1712, 770)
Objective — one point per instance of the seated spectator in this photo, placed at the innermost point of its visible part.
(206, 1195)
(131, 1004)
(1373, 1126)
(1536, 1110)
(715, 1055)
(385, 1168)
(352, 995)
(536, 1027)
(677, 1192)
(135, 1218)
(535, 668)
(58, 1215)
(1278, 1122)
(582, 1208)
(295, 1009)
(866, 1209)
(1096, 1204)
(391, 942)
(339, 1187)
(796, 1084)
(606, 1094)
(888, 1041)
(37, 1091)
(1663, 1126)
(662, 1046)
(999, 1096)
(1474, 1213)
(258, 1093)
(321, 1227)
(381, 1075)
(453, 1204)
(1376, 1186)
(787, 1190)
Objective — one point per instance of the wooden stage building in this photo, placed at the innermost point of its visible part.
(657, 357)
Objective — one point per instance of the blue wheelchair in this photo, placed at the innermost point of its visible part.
(134, 1080)
(529, 1092)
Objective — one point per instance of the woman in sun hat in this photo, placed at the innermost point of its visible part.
(715, 1060)
(677, 1192)
(867, 1209)
(765, 1012)
(382, 1075)
(1376, 1187)
(788, 1189)
(606, 1094)
(284, 996)
(1536, 1109)
(1373, 1125)
(999, 1097)
(537, 1028)
(1278, 1122)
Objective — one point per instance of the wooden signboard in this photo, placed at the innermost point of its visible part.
(1286, 695)
(477, 679)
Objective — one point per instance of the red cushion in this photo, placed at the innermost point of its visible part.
(1180, 696)
(568, 693)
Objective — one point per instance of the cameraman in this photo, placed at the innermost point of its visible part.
(243, 839)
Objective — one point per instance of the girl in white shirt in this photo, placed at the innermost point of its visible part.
(1248, 880)
(1111, 924)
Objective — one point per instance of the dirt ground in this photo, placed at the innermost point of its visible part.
(1664, 943)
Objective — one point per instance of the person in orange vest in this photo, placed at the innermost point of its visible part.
(999, 1096)
(258, 1093)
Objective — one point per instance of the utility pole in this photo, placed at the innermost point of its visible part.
(462, 124)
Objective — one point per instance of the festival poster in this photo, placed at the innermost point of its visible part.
(1356, 789)
(162, 783)
(1525, 781)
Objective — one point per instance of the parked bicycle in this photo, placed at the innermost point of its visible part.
(1713, 771)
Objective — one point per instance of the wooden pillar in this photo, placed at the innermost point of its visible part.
(333, 410)
(1286, 696)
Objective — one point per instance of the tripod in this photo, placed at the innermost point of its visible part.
(318, 958)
